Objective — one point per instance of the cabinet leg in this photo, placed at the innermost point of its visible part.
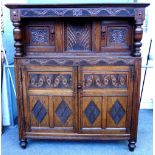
(132, 145)
(23, 143)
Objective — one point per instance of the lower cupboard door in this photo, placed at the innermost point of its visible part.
(55, 114)
(104, 114)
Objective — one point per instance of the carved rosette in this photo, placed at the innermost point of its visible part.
(139, 18)
(17, 32)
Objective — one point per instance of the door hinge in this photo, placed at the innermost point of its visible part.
(133, 73)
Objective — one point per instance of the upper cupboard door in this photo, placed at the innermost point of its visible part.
(116, 36)
(42, 36)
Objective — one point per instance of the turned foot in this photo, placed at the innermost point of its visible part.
(132, 145)
(23, 143)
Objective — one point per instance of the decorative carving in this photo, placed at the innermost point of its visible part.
(39, 111)
(92, 112)
(39, 36)
(77, 62)
(50, 81)
(78, 12)
(15, 15)
(117, 112)
(140, 14)
(105, 81)
(63, 111)
(77, 36)
(139, 18)
(117, 36)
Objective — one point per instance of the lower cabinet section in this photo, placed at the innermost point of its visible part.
(77, 102)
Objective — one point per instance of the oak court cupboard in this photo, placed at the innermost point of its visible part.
(77, 70)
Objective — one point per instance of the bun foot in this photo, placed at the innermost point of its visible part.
(23, 143)
(132, 145)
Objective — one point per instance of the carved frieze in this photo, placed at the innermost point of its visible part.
(77, 12)
(50, 80)
(77, 62)
(105, 81)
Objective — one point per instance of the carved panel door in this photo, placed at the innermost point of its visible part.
(105, 99)
(50, 98)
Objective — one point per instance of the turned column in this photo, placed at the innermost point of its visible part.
(17, 32)
(138, 31)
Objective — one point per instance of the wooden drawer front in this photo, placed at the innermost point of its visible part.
(115, 36)
(40, 36)
(103, 114)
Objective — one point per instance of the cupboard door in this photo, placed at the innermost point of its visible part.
(105, 99)
(49, 98)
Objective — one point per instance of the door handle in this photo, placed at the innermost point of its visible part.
(79, 87)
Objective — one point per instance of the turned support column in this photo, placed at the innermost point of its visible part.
(17, 32)
(138, 31)
(18, 38)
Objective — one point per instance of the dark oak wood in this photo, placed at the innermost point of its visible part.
(78, 78)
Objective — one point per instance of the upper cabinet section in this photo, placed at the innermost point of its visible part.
(78, 28)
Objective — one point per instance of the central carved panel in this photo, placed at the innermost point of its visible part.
(50, 81)
(77, 36)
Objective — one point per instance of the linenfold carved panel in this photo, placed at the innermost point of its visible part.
(105, 81)
(77, 36)
(50, 80)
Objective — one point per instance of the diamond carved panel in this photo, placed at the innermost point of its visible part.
(117, 112)
(39, 111)
(92, 112)
(63, 112)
